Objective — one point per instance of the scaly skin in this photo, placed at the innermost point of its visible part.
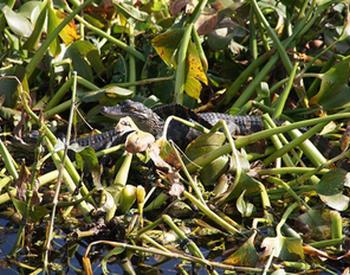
(152, 120)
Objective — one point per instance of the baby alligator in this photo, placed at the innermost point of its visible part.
(152, 120)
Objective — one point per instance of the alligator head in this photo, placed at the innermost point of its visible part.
(145, 119)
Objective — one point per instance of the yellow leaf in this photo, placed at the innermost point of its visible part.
(166, 45)
(69, 32)
(195, 72)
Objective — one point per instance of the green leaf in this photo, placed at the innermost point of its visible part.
(333, 81)
(246, 255)
(130, 11)
(86, 159)
(84, 56)
(38, 213)
(38, 29)
(284, 248)
(204, 144)
(332, 183)
(245, 208)
(20, 206)
(8, 88)
(52, 23)
(18, 23)
(214, 170)
(114, 252)
(31, 10)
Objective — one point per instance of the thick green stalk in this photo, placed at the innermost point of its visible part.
(280, 48)
(192, 247)
(284, 96)
(180, 75)
(245, 140)
(236, 85)
(10, 164)
(132, 62)
(210, 214)
(295, 142)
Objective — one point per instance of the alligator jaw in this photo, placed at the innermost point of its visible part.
(114, 112)
(144, 117)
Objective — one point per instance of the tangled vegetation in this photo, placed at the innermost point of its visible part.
(274, 200)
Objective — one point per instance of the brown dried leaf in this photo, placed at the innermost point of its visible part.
(21, 183)
(311, 251)
(138, 142)
(206, 23)
(345, 139)
(176, 6)
(158, 161)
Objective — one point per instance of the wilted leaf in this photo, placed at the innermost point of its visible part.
(112, 90)
(315, 223)
(18, 23)
(311, 251)
(138, 142)
(166, 153)
(176, 189)
(345, 139)
(109, 202)
(246, 255)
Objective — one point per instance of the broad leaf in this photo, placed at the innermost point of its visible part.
(52, 24)
(244, 207)
(338, 202)
(332, 183)
(246, 255)
(166, 45)
(38, 29)
(284, 248)
(195, 72)
(334, 81)
(18, 23)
